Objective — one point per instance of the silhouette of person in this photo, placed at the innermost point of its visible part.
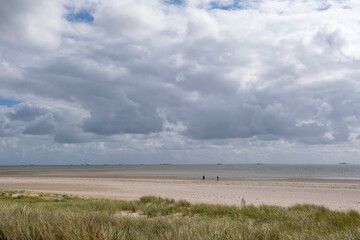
(204, 177)
(217, 178)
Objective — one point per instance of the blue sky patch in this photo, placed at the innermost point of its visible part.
(324, 8)
(175, 2)
(236, 4)
(80, 16)
(8, 102)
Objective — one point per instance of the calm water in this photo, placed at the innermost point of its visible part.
(245, 172)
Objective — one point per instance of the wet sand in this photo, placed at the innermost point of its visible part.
(342, 195)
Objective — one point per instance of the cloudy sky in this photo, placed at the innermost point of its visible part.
(179, 81)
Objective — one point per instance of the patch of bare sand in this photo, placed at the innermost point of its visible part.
(334, 195)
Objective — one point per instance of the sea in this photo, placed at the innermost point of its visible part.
(209, 171)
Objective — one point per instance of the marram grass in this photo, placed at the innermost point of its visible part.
(25, 215)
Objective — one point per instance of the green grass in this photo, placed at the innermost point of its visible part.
(25, 215)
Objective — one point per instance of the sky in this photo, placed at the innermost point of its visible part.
(179, 81)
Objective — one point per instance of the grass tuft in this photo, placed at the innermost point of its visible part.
(25, 215)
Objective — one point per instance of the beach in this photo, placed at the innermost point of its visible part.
(336, 195)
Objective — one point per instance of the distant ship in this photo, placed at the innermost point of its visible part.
(343, 163)
(219, 164)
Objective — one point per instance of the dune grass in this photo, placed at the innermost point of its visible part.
(25, 215)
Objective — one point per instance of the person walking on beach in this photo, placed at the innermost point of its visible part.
(204, 177)
(217, 178)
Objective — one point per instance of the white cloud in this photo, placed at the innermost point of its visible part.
(157, 77)
(31, 24)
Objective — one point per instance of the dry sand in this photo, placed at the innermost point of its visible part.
(331, 194)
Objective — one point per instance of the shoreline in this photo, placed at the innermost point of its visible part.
(78, 175)
(106, 175)
(336, 195)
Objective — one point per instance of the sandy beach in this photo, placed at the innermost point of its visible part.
(343, 195)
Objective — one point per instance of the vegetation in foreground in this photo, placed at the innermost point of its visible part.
(25, 215)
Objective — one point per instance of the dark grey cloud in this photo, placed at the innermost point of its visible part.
(41, 126)
(125, 117)
(71, 134)
(25, 112)
(4, 127)
(287, 115)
